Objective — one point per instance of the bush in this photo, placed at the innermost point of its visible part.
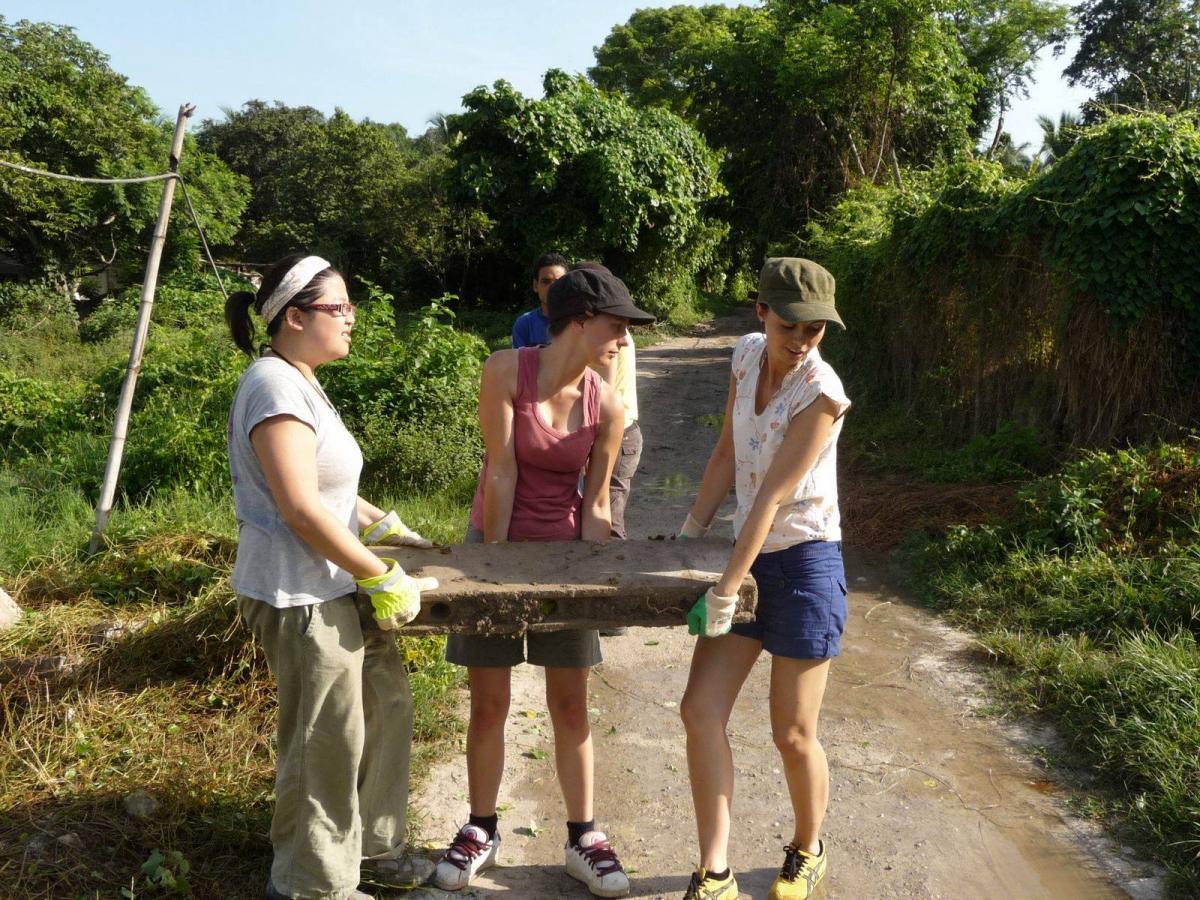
(588, 174)
(23, 304)
(36, 412)
(407, 392)
(1091, 592)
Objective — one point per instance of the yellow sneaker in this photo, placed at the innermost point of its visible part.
(800, 875)
(703, 887)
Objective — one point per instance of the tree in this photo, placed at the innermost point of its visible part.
(802, 97)
(64, 109)
(260, 141)
(1137, 53)
(1001, 40)
(329, 185)
(587, 174)
(1013, 158)
(1058, 137)
(363, 194)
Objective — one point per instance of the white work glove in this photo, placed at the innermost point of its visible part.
(712, 616)
(391, 532)
(691, 529)
(395, 596)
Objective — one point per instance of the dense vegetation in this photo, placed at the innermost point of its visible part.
(984, 298)
(1006, 311)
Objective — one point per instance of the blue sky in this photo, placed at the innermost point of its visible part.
(398, 61)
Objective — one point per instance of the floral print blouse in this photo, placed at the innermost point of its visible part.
(811, 513)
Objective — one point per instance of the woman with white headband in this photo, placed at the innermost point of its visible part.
(344, 732)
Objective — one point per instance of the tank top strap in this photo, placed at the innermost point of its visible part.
(591, 397)
(527, 374)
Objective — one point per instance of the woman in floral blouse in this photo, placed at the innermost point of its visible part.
(778, 446)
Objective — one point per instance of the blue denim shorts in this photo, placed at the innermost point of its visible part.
(801, 601)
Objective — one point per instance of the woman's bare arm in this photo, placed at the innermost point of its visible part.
(497, 389)
(797, 454)
(597, 512)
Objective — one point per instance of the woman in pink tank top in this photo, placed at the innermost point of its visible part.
(549, 462)
(549, 424)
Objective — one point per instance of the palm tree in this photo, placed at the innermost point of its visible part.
(1058, 137)
(1013, 157)
(439, 133)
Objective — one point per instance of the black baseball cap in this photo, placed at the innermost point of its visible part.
(592, 290)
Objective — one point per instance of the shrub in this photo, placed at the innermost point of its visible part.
(25, 303)
(1091, 592)
(407, 392)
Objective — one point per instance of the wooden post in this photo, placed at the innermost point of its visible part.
(116, 448)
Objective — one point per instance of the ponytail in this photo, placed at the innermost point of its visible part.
(241, 326)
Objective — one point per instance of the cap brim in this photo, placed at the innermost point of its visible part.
(805, 311)
(629, 311)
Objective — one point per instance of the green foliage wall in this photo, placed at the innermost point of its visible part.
(361, 193)
(1069, 300)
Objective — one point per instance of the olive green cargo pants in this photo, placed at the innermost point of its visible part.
(344, 739)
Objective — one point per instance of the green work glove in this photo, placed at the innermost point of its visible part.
(691, 529)
(712, 616)
(395, 596)
(391, 532)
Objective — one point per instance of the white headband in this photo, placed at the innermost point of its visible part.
(291, 284)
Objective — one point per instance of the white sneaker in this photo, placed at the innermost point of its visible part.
(470, 852)
(594, 862)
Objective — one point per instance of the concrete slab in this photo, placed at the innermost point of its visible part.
(507, 588)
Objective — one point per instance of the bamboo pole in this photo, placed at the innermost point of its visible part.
(116, 448)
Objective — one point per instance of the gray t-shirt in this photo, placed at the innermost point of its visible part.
(273, 563)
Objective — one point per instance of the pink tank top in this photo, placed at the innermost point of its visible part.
(547, 502)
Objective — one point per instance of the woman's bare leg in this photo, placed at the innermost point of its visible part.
(797, 689)
(567, 702)
(491, 690)
(719, 669)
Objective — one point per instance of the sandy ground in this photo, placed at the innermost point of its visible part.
(930, 797)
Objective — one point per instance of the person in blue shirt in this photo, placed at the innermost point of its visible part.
(531, 328)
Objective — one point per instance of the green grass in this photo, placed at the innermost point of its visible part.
(149, 681)
(1090, 598)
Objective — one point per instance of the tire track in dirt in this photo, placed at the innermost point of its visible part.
(929, 797)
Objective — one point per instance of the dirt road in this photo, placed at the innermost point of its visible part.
(929, 798)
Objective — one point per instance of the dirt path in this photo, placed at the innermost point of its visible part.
(928, 798)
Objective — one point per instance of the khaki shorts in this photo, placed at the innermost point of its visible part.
(567, 649)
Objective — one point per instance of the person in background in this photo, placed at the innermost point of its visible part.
(344, 730)
(548, 421)
(621, 374)
(778, 446)
(532, 328)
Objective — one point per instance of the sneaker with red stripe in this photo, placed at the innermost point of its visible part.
(594, 862)
(470, 852)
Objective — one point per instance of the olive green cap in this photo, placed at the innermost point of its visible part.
(798, 290)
